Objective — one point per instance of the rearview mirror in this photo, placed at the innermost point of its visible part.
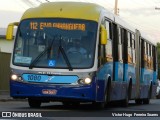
(10, 29)
(103, 35)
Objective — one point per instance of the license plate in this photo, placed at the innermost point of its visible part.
(49, 91)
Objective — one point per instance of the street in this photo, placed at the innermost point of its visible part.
(56, 109)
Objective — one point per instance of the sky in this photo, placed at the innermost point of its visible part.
(140, 14)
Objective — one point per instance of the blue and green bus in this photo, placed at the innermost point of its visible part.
(76, 52)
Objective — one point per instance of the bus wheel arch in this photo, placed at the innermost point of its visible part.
(129, 88)
(108, 90)
(150, 90)
(147, 100)
(33, 103)
(106, 99)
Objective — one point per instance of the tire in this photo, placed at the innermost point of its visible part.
(67, 104)
(107, 93)
(124, 103)
(34, 103)
(146, 101)
(102, 105)
(99, 105)
(75, 103)
(138, 101)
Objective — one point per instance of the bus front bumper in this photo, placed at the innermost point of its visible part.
(52, 92)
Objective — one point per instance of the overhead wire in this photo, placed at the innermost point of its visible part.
(39, 1)
(21, 5)
(29, 3)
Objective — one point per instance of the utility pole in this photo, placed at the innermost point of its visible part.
(116, 7)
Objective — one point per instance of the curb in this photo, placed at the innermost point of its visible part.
(8, 100)
(5, 99)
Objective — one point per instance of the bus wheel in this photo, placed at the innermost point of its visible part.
(66, 104)
(128, 96)
(146, 101)
(138, 101)
(99, 105)
(34, 103)
(125, 102)
(75, 103)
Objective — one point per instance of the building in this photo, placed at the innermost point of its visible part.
(5, 54)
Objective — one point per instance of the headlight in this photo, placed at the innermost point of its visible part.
(14, 77)
(85, 81)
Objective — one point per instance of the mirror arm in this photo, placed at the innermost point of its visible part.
(10, 29)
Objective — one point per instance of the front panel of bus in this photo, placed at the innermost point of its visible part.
(51, 58)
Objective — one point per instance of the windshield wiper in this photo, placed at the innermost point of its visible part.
(65, 58)
(45, 51)
(40, 55)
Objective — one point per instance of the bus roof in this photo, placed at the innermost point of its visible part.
(77, 10)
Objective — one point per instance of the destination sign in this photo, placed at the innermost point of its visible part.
(64, 26)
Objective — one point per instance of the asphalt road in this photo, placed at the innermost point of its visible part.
(55, 110)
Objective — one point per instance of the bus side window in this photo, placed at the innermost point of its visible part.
(151, 57)
(145, 54)
(108, 47)
(154, 58)
(142, 52)
(120, 33)
(129, 48)
(133, 49)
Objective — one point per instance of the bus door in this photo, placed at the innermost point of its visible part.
(118, 69)
(108, 49)
(123, 58)
(131, 77)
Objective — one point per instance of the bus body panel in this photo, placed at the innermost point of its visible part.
(21, 90)
(103, 75)
(53, 90)
(115, 76)
(147, 82)
(65, 10)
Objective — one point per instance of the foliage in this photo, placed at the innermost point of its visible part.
(158, 59)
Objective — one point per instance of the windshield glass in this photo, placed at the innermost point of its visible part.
(55, 43)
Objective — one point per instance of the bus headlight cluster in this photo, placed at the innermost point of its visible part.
(85, 81)
(16, 77)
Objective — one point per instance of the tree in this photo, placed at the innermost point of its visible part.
(158, 59)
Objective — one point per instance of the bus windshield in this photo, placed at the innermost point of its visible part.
(55, 43)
